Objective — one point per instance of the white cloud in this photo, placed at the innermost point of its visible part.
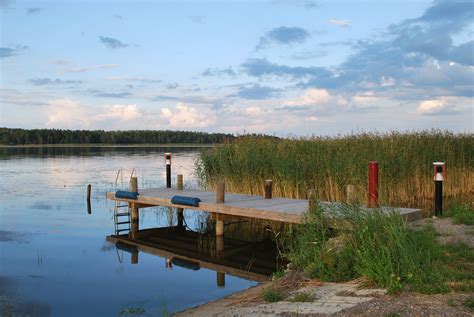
(183, 116)
(67, 113)
(442, 105)
(344, 23)
(318, 99)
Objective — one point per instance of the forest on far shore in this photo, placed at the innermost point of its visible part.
(9, 136)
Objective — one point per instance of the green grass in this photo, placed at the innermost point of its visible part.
(462, 214)
(271, 295)
(371, 244)
(328, 165)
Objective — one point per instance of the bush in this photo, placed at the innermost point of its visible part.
(271, 295)
(352, 243)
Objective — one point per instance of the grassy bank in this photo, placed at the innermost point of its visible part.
(330, 164)
(381, 248)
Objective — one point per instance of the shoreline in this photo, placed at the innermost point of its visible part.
(105, 145)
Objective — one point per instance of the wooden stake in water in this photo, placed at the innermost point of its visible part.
(89, 208)
(180, 186)
(134, 210)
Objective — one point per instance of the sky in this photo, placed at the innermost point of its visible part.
(281, 67)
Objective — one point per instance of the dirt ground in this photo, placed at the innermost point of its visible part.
(347, 299)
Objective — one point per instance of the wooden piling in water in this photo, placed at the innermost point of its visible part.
(220, 279)
(219, 225)
(268, 188)
(134, 210)
(180, 186)
(89, 208)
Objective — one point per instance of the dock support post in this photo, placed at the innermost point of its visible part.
(268, 188)
(220, 279)
(180, 186)
(134, 258)
(220, 193)
(312, 202)
(219, 226)
(134, 210)
(350, 194)
(373, 184)
(89, 208)
(168, 169)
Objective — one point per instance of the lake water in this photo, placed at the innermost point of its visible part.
(54, 257)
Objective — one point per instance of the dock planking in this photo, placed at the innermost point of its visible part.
(277, 209)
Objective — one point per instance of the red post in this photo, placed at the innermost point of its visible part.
(373, 184)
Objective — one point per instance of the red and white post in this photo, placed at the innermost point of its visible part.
(373, 184)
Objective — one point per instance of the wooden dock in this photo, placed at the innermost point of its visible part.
(240, 205)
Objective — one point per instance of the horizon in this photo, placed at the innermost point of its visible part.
(282, 68)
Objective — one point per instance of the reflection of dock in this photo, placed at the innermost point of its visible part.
(253, 261)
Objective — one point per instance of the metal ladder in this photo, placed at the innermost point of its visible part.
(122, 212)
(122, 218)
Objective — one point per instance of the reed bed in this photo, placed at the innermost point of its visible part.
(329, 164)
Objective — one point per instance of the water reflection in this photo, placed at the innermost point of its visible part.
(254, 261)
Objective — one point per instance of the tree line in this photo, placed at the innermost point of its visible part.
(10, 136)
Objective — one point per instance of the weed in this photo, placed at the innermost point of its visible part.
(302, 297)
(276, 275)
(271, 295)
(462, 214)
(451, 303)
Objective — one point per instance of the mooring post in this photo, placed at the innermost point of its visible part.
(134, 209)
(219, 225)
(440, 173)
(350, 194)
(268, 188)
(168, 169)
(220, 279)
(180, 186)
(220, 193)
(312, 201)
(89, 208)
(373, 184)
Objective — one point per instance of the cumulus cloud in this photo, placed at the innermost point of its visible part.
(343, 23)
(316, 102)
(441, 106)
(67, 113)
(189, 117)
(283, 35)
(112, 43)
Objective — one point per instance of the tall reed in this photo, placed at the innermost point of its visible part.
(329, 164)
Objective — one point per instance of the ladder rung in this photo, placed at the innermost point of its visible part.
(122, 214)
(123, 222)
(120, 230)
(121, 206)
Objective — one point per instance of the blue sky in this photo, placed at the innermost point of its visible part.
(279, 67)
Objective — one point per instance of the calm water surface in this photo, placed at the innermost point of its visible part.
(54, 259)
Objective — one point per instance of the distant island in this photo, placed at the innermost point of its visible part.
(11, 136)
